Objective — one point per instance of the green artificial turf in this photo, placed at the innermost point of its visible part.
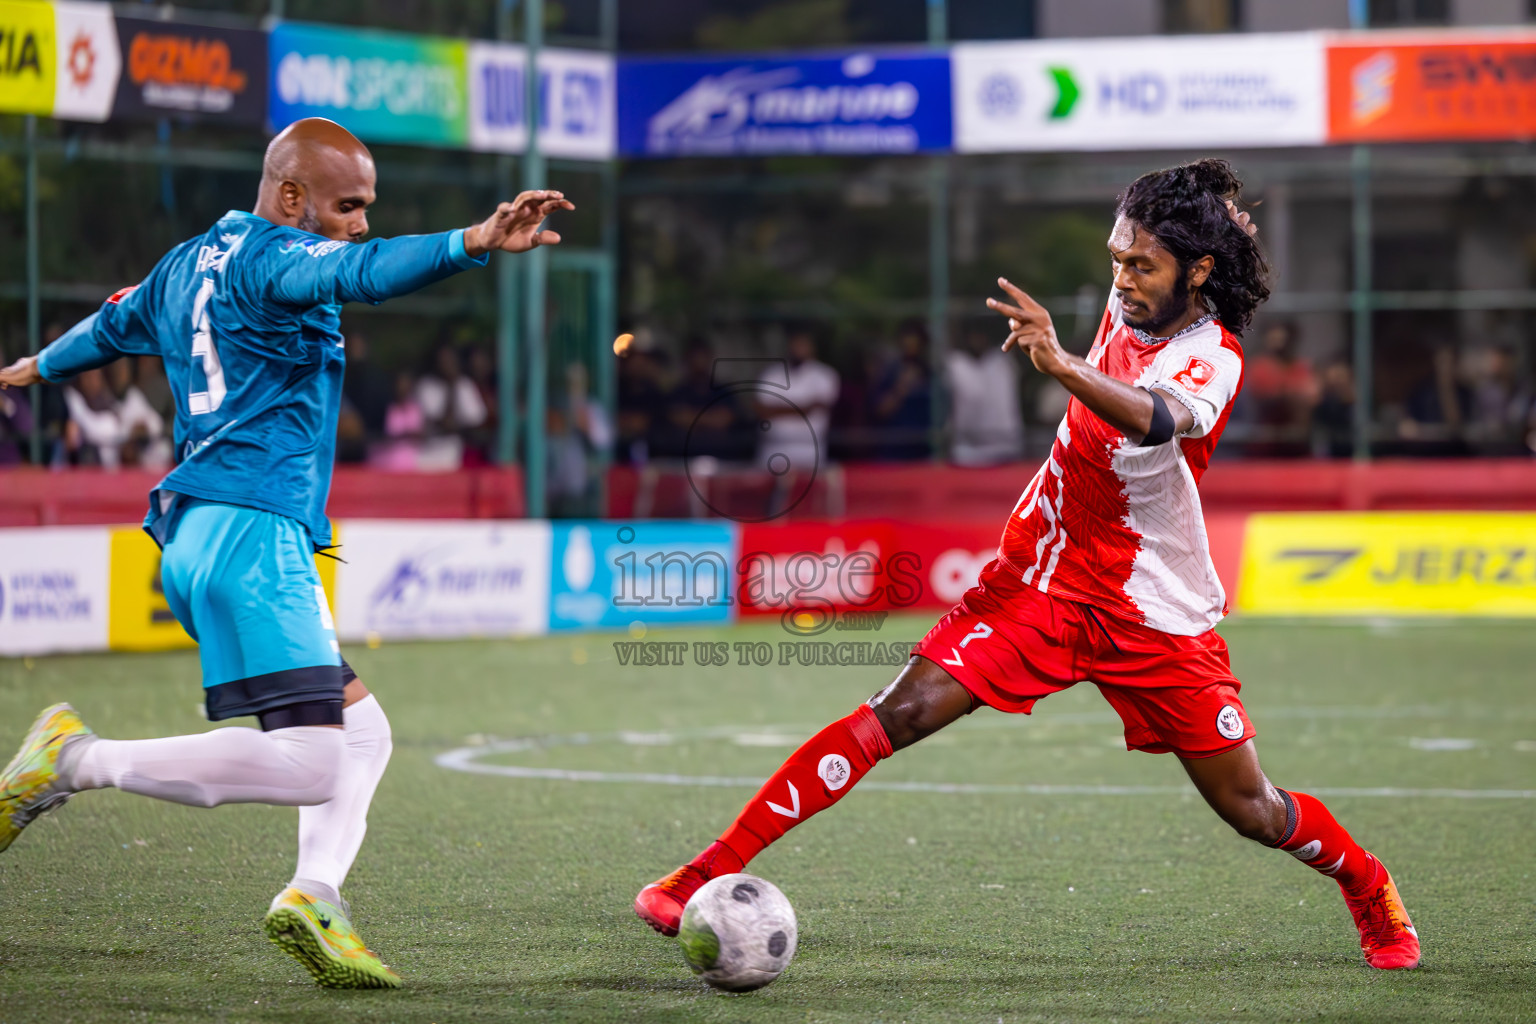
(503, 898)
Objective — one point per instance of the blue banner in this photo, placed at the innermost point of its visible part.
(611, 575)
(880, 102)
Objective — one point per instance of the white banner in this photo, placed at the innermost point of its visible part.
(53, 589)
(85, 39)
(576, 101)
(1120, 94)
(417, 579)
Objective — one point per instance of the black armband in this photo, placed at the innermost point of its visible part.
(1161, 431)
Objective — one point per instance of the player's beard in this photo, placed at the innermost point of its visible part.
(1167, 309)
(309, 221)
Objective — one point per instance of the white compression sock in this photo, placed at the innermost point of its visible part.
(291, 767)
(330, 834)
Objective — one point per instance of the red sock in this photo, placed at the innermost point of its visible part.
(1315, 838)
(814, 778)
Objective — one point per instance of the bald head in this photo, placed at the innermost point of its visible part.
(318, 177)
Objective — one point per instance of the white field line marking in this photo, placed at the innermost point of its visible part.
(466, 759)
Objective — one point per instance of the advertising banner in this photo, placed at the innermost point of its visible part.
(612, 574)
(85, 41)
(1392, 89)
(58, 59)
(1239, 90)
(874, 102)
(576, 101)
(381, 86)
(28, 60)
(1390, 563)
(423, 579)
(53, 590)
(172, 68)
(140, 619)
(809, 569)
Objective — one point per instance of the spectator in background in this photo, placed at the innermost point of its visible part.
(144, 435)
(578, 429)
(1498, 402)
(641, 401)
(986, 425)
(1436, 410)
(366, 386)
(794, 434)
(94, 433)
(404, 425)
(1334, 418)
(1282, 392)
(902, 408)
(449, 399)
(15, 423)
(700, 419)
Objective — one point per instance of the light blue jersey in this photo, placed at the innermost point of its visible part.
(247, 320)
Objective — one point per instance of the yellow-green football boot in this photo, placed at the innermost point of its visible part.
(30, 783)
(318, 935)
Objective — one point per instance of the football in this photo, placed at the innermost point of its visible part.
(738, 932)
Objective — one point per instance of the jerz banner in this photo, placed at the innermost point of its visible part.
(171, 68)
(1389, 563)
(875, 102)
(1122, 94)
(381, 86)
(1392, 88)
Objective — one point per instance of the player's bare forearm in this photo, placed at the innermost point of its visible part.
(1123, 406)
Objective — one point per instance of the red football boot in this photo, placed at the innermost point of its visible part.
(661, 903)
(1387, 937)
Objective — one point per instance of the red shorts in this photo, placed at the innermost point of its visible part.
(1009, 645)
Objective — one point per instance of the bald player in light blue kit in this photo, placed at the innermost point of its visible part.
(247, 320)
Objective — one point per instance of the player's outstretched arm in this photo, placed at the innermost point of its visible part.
(1123, 406)
(120, 327)
(310, 274)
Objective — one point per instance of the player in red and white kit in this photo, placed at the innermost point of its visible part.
(1104, 572)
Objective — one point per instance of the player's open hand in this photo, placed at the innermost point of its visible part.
(20, 374)
(514, 227)
(1030, 329)
(1242, 220)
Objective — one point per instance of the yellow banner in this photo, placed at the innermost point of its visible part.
(1389, 563)
(27, 58)
(138, 617)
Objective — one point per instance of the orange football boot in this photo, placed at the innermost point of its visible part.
(661, 903)
(1387, 937)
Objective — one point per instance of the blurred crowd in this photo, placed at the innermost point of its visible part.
(792, 411)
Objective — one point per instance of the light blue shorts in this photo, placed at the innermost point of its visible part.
(243, 583)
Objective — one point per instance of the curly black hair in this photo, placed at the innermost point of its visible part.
(1185, 208)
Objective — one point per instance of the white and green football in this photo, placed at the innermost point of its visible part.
(738, 932)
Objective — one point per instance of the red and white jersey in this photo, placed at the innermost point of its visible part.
(1118, 526)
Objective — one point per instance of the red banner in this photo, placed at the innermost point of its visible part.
(813, 570)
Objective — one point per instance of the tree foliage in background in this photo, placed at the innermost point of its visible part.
(788, 23)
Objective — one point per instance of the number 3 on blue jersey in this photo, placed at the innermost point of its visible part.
(203, 348)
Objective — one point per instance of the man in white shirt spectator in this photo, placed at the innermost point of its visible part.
(985, 423)
(793, 433)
